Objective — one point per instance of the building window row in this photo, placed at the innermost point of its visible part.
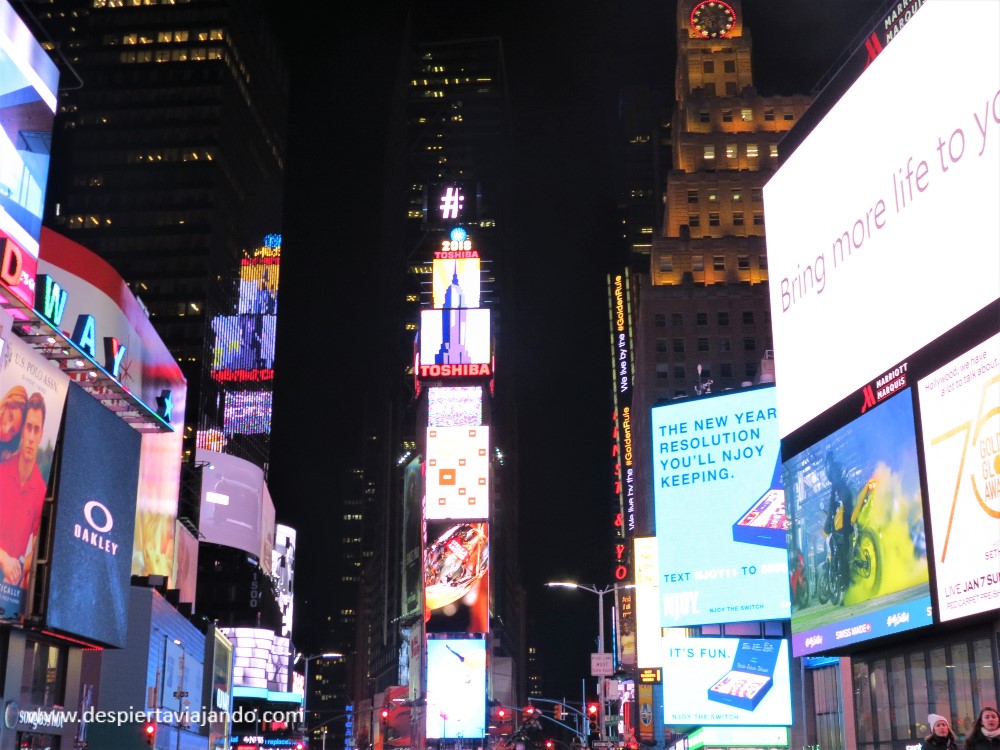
(745, 114)
(732, 151)
(185, 54)
(735, 194)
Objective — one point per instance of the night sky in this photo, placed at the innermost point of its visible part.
(566, 62)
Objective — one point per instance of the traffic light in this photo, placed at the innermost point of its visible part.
(149, 733)
(549, 744)
(385, 714)
(592, 711)
(529, 712)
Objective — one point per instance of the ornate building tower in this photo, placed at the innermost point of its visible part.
(703, 313)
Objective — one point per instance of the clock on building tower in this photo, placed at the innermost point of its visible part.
(712, 19)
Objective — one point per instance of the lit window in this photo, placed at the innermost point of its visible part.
(751, 150)
(709, 152)
(666, 263)
(737, 195)
(773, 149)
(730, 150)
(713, 197)
(746, 114)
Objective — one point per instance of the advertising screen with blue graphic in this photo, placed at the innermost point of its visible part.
(95, 522)
(858, 531)
(720, 681)
(456, 687)
(720, 520)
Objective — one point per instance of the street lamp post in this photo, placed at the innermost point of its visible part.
(305, 689)
(600, 636)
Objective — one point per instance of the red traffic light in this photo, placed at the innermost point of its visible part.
(549, 744)
(592, 709)
(502, 713)
(149, 732)
(529, 711)
(385, 713)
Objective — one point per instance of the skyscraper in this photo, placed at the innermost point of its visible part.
(168, 156)
(703, 311)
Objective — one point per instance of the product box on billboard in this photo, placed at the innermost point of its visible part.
(765, 522)
(746, 684)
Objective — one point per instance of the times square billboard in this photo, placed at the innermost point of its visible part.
(872, 275)
(28, 84)
(720, 516)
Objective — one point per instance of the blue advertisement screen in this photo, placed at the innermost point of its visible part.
(858, 531)
(456, 687)
(720, 521)
(95, 522)
(718, 681)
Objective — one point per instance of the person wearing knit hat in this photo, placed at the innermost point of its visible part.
(941, 736)
(985, 734)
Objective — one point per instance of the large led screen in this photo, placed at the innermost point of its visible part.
(32, 397)
(858, 524)
(455, 282)
(232, 503)
(95, 522)
(244, 348)
(412, 537)
(456, 688)
(455, 337)
(457, 472)
(456, 577)
(451, 407)
(719, 681)
(260, 658)
(247, 413)
(845, 287)
(720, 520)
(960, 421)
(28, 83)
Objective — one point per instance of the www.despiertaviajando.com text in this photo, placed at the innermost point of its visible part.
(59, 717)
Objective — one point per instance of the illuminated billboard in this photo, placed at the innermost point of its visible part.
(960, 426)
(456, 577)
(456, 687)
(91, 558)
(32, 398)
(283, 571)
(647, 601)
(457, 473)
(244, 348)
(84, 287)
(260, 658)
(450, 203)
(452, 407)
(236, 511)
(28, 84)
(844, 286)
(715, 463)
(455, 337)
(456, 281)
(247, 413)
(720, 681)
(857, 512)
(412, 537)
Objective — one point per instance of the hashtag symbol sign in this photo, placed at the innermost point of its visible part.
(451, 203)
